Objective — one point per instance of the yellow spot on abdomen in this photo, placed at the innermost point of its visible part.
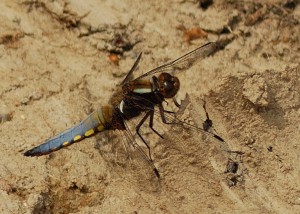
(66, 143)
(100, 128)
(77, 137)
(89, 132)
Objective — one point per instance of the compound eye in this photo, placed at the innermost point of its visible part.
(169, 85)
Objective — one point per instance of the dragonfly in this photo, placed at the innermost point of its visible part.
(133, 97)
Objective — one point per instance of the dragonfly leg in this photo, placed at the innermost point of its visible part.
(162, 112)
(169, 112)
(176, 103)
(151, 124)
(138, 131)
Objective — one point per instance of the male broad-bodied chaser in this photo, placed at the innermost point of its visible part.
(134, 97)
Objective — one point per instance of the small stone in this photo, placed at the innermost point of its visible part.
(255, 90)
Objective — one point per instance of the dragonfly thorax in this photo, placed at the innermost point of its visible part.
(168, 85)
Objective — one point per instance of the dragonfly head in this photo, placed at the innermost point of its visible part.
(168, 85)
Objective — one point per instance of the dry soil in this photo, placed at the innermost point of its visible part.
(60, 59)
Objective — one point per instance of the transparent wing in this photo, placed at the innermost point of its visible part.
(184, 62)
(173, 118)
(187, 126)
(138, 154)
(129, 75)
(127, 157)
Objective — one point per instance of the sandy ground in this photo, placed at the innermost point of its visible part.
(55, 69)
